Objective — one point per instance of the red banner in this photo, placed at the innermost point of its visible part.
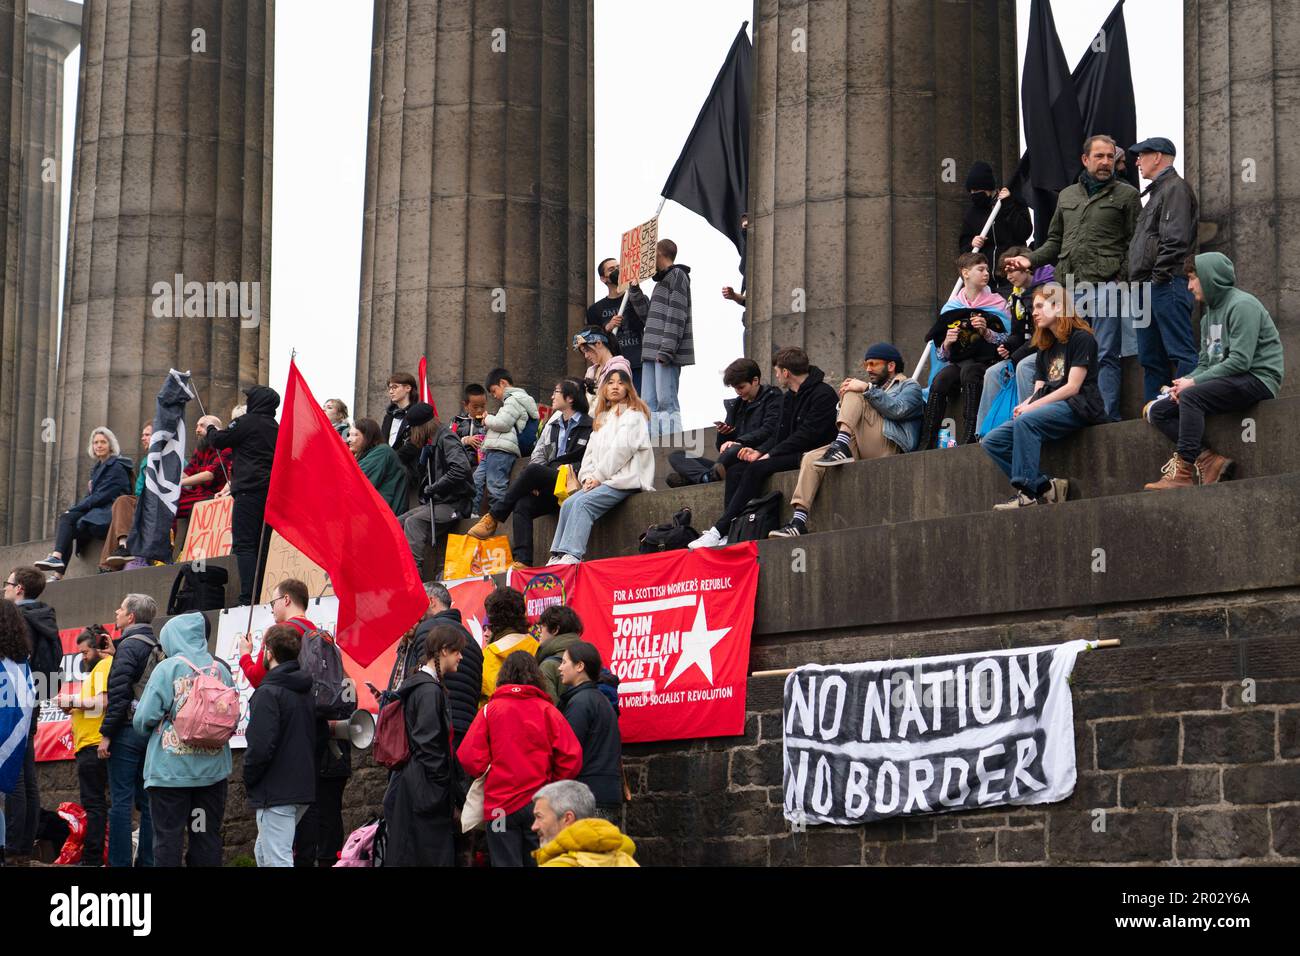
(54, 726)
(674, 628)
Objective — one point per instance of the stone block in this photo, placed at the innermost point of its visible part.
(757, 766)
(1215, 835)
(1136, 837)
(1142, 742)
(1169, 788)
(1244, 737)
(1262, 783)
(1285, 825)
(1027, 845)
(948, 848)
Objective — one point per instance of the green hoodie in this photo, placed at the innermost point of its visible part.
(168, 762)
(1237, 333)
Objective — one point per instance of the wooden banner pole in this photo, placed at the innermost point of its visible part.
(783, 672)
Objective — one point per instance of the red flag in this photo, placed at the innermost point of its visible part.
(425, 394)
(323, 505)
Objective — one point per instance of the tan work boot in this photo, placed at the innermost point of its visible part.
(1213, 467)
(486, 528)
(1175, 474)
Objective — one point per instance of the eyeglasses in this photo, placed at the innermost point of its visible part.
(11, 584)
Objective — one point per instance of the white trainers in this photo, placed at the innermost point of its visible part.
(710, 539)
(566, 559)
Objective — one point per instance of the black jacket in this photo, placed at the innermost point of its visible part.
(465, 685)
(595, 724)
(1012, 228)
(445, 474)
(402, 431)
(422, 792)
(1165, 231)
(252, 439)
(754, 422)
(280, 764)
(807, 418)
(43, 642)
(129, 659)
(579, 437)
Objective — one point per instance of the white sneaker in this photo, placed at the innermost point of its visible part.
(567, 559)
(710, 539)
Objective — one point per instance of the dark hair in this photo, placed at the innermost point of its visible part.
(371, 435)
(497, 374)
(520, 668)
(740, 372)
(505, 612)
(601, 265)
(472, 389)
(294, 590)
(586, 655)
(793, 359)
(13, 633)
(95, 636)
(1189, 269)
(1009, 254)
(30, 580)
(403, 378)
(968, 260)
(559, 619)
(442, 637)
(1087, 143)
(668, 248)
(575, 392)
(284, 642)
(421, 434)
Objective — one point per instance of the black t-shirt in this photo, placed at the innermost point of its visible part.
(629, 333)
(1054, 364)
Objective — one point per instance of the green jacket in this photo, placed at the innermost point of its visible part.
(548, 656)
(1237, 333)
(1090, 235)
(386, 472)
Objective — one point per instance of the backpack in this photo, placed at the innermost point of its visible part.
(760, 516)
(670, 536)
(156, 657)
(391, 749)
(321, 659)
(366, 845)
(528, 437)
(210, 713)
(197, 591)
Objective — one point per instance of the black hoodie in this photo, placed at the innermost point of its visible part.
(755, 421)
(280, 761)
(252, 438)
(807, 417)
(45, 647)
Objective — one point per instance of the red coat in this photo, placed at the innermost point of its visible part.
(255, 670)
(526, 741)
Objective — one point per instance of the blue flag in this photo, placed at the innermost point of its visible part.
(17, 706)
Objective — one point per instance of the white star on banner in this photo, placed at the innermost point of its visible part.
(697, 646)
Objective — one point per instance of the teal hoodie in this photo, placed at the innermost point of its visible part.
(168, 762)
(1237, 333)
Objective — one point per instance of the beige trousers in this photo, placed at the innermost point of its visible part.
(866, 428)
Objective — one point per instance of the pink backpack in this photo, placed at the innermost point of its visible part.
(364, 846)
(211, 711)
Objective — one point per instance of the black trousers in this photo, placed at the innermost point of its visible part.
(319, 836)
(23, 806)
(246, 518)
(966, 376)
(92, 781)
(511, 840)
(1183, 421)
(198, 811)
(526, 506)
(745, 480)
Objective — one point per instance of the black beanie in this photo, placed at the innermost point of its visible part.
(980, 176)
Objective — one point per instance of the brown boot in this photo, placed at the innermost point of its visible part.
(486, 528)
(1213, 467)
(1175, 474)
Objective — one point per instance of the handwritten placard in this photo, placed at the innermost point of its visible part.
(208, 535)
(637, 254)
(283, 560)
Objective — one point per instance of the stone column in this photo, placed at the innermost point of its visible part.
(475, 242)
(1241, 105)
(171, 177)
(13, 17)
(867, 114)
(53, 31)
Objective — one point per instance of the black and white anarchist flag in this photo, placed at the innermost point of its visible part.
(155, 512)
(881, 739)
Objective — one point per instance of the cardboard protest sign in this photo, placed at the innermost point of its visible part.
(283, 560)
(208, 535)
(636, 261)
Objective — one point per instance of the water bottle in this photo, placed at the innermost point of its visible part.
(946, 439)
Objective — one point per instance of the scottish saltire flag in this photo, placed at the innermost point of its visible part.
(151, 532)
(17, 705)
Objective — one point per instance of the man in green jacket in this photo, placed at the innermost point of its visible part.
(1240, 364)
(1088, 241)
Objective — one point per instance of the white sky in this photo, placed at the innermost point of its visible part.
(322, 84)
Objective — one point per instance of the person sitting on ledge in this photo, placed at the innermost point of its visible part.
(877, 417)
(751, 419)
(1240, 364)
(89, 517)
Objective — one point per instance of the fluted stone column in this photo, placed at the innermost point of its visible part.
(171, 176)
(13, 16)
(859, 153)
(1241, 103)
(53, 31)
(477, 193)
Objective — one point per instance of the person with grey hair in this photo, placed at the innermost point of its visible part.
(137, 652)
(570, 834)
(89, 518)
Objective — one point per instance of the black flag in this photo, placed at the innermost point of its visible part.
(711, 176)
(151, 529)
(1103, 80)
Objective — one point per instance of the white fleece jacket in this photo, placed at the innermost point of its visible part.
(619, 453)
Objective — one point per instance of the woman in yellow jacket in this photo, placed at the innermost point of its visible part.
(565, 821)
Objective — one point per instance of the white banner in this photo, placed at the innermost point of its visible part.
(869, 741)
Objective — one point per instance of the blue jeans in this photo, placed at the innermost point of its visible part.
(1164, 334)
(659, 391)
(1106, 308)
(1026, 371)
(578, 513)
(275, 828)
(494, 471)
(1016, 446)
(126, 785)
